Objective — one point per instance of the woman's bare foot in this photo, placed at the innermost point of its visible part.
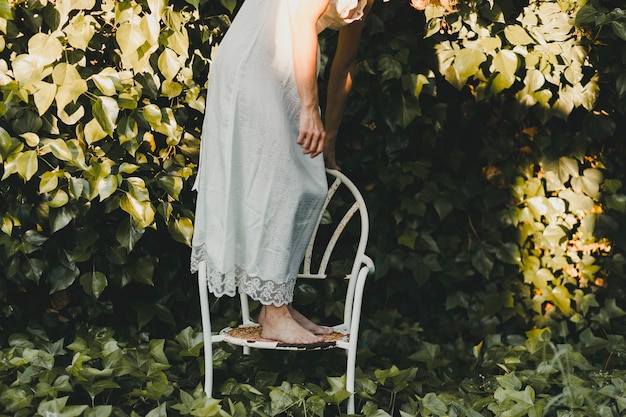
(278, 324)
(308, 324)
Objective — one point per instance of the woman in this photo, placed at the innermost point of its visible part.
(261, 184)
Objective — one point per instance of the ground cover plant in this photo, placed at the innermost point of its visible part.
(487, 143)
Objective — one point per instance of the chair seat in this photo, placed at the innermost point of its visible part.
(249, 335)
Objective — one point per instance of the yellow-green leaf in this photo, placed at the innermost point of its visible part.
(106, 186)
(49, 181)
(70, 84)
(58, 147)
(27, 164)
(181, 230)
(168, 64)
(44, 94)
(80, 30)
(59, 199)
(46, 47)
(517, 35)
(141, 211)
(105, 111)
(94, 132)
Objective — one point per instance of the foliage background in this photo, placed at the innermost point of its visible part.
(487, 143)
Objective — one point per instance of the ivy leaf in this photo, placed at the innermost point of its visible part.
(106, 186)
(99, 411)
(80, 31)
(49, 181)
(467, 61)
(27, 164)
(46, 47)
(181, 230)
(59, 149)
(61, 277)
(60, 218)
(505, 63)
(389, 68)
(517, 35)
(434, 404)
(562, 299)
(168, 64)
(229, 5)
(142, 211)
(93, 283)
(70, 84)
(105, 111)
(44, 94)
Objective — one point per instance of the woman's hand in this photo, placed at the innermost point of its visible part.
(312, 134)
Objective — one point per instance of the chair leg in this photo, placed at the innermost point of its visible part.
(350, 378)
(206, 329)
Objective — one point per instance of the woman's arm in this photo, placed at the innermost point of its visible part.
(304, 40)
(340, 83)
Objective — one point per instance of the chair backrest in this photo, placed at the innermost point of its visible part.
(354, 206)
(316, 268)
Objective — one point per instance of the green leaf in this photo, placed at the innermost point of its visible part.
(44, 94)
(142, 211)
(434, 404)
(60, 218)
(506, 62)
(70, 84)
(517, 35)
(105, 111)
(562, 299)
(106, 186)
(168, 64)
(59, 149)
(467, 61)
(94, 283)
(61, 277)
(46, 47)
(389, 68)
(190, 342)
(49, 181)
(172, 184)
(27, 164)
(5, 10)
(99, 411)
(229, 5)
(181, 230)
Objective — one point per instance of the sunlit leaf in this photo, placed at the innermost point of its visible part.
(70, 84)
(181, 230)
(80, 31)
(142, 211)
(94, 132)
(44, 94)
(169, 64)
(49, 181)
(59, 199)
(27, 164)
(105, 111)
(46, 47)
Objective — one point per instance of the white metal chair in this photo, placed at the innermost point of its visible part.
(361, 267)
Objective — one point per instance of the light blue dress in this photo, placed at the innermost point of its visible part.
(258, 196)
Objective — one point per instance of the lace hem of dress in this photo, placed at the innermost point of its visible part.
(264, 291)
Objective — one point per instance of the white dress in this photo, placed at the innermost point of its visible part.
(258, 194)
